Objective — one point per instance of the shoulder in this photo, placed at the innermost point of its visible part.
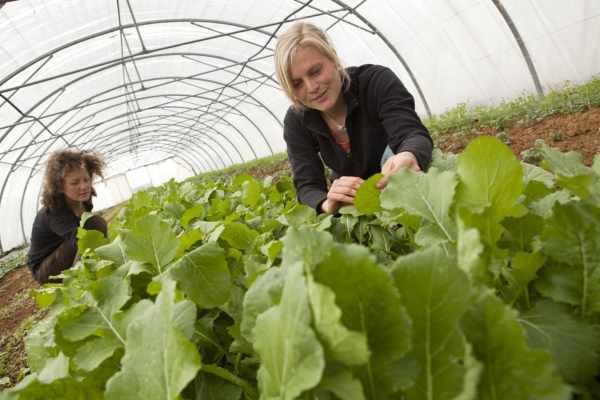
(366, 72)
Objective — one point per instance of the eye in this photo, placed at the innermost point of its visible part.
(296, 84)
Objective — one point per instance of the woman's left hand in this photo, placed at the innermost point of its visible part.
(395, 163)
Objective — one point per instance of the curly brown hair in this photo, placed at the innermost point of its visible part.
(60, 164)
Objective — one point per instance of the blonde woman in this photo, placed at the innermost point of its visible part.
(358, 120)
(66, 194)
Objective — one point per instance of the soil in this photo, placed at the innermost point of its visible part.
(580, 132)
(17, 310)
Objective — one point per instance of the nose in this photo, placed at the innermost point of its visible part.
(312, 85)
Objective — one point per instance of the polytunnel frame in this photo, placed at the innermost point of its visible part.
(133, 57)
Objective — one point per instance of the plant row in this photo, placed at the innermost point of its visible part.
(476, 280)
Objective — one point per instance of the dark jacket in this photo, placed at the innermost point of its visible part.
(381, 112)
(50, 229)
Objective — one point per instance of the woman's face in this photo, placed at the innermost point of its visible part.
(78, 185)
(316, 82)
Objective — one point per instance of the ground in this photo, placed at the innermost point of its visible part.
(578, 132)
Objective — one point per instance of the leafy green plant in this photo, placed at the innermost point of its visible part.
(12, 261)
(448, 282)
(527, 109)
(557, 136)
(504, 138)
(535, 154)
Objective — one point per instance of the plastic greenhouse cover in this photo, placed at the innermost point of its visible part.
(145, 81)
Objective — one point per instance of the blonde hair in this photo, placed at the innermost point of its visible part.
(303, 34)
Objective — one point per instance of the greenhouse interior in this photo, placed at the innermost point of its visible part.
(168, 90)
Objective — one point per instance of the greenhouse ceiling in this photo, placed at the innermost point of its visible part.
(193, 81)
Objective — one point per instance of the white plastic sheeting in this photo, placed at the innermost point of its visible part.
(144, 81)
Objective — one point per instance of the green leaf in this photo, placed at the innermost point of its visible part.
(573, 343)
(174, 209)
(342, 384)
(299, 216)
(215, 388)
(292, 357)
(520, 232)
(105, 299)
(151, 241)
(90, 240)
(90, 356)
(428, 196)
(472, 255)
(240, 179)
(56, 368)
(238, 235)
(490, 178)
(188, 239)
(522, 270)
(572, 236)
(367, 199)
(511, 369)
(251, 191)
(543, 207)
(191, 213)
(370, 305)
(203, 275)
(158, 362)
(437, 294)
(307, 246)
(534, 173)
(570, 172)
(114, 252)
(341, 345)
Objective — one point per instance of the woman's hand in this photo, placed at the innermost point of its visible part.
(395, 163)
(341, 193)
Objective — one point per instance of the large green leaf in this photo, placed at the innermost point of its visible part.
(570, 172)
(428, 196)
(264, 293)
(520, 232)
(114, 252)
(370, 305)
(437, 294)
(307, 246)
(251, 191)
(511, 369)
(152, 241)
(572, 236)
(203, 275)
(490, 178)
(159, 361)
(573, 343)
(341, 345)
(291, 356)
(95, 315)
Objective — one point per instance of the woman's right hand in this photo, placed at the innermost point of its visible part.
(342, 193)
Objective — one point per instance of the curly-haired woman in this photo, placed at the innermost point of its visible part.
(66, 194)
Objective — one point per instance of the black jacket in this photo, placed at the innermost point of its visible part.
(50, 230)
(381, 112)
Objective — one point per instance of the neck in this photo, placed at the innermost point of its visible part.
(75, 206)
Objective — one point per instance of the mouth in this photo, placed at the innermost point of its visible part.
(321, 96)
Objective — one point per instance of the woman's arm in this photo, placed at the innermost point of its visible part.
(408, 138)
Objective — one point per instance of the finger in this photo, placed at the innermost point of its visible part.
(382, 183)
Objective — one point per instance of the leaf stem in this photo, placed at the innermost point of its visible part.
(236, 370)
(228, 376)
